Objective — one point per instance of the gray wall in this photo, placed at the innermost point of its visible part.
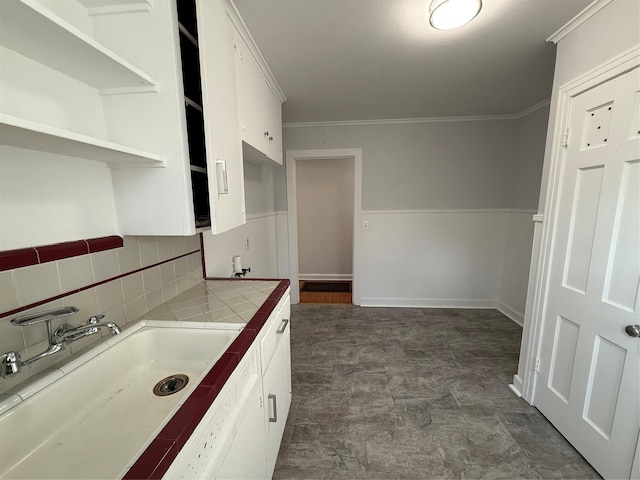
(325, 201)
(446, 165)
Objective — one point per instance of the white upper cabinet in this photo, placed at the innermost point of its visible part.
(220, 103)
(259, 106)
(111, 81)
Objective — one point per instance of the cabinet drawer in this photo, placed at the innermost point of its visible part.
(276, 326)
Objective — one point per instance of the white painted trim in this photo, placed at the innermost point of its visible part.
(538, 218)
(254, 216)
(426, 302)
(578, 20)
(446, 211)
(516, 388)
(235, 17)
(544, 233)
(532, 108)
(325, 276)
(292, 156)
(509, 312)
(396, 121)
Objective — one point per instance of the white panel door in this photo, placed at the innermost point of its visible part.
(590, 367)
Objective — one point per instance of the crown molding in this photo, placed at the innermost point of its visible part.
(578, 20)
(396, 121)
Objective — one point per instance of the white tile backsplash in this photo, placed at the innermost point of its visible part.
(151, 279)
(129, 258)
(132, 286)
(148, 251)
(75, 273)
(105, 265)
(122, 300)
(109, 295)
(8, 298)
(36, 283)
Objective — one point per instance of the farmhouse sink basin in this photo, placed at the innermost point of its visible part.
(97, 419)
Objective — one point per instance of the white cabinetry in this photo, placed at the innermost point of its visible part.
(101, 81)
(239, 436)
(245, 459)
(259, 108)
(276, 384)
(161, 202)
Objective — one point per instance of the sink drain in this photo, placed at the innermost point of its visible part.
(170, 385)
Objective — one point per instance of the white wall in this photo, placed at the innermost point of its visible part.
(325, 202)
(260, 229)
(57, 199)
(432, 258)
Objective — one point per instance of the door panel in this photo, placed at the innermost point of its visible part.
(589, 384)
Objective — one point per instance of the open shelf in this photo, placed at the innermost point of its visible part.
(109, 7)
(18, 132)
(30, 29)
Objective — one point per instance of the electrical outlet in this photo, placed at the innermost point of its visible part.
(247, 245)
(365, 226)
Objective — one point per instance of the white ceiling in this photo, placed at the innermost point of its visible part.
(341, 60)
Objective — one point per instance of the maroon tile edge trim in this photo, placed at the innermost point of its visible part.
(59, 251)
(104, 243)
(157, 458)
(77, 290)
(24, 257)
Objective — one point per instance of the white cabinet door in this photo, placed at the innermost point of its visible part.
(277, 397)
(220, 104)
(260, 111)
(246, 457)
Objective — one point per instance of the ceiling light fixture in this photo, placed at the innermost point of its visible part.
(449, 14)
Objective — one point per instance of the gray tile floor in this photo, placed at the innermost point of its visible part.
(381, 393)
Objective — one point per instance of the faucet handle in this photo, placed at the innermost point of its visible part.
(46, 316)
(94, 319)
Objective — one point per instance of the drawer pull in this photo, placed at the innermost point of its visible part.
(283, 327)
(273, 419)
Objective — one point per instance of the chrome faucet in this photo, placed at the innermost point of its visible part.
(64, 335)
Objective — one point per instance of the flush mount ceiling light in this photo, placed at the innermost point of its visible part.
(449, 14)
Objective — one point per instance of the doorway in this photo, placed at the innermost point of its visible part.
(324, 205)
(589, 353)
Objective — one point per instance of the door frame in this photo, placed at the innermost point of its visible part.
(546, 224)
(293, 156)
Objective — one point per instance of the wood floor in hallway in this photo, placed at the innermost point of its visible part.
(325, 297)
(408, 393)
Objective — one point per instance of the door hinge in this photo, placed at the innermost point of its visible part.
(565, 138)
(536, 368)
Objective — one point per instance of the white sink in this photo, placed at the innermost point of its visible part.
(96, 420)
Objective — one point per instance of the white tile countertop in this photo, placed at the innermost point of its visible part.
(216, 304)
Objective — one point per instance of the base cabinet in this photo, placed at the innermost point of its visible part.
(239, 436)
(246, 457)
(277, 393)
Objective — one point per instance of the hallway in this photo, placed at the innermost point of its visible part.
(383, 393)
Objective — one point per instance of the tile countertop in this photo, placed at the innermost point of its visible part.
(243, 305)
(221, 304)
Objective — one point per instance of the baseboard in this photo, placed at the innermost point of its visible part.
(326, 276)
(510, 313)
(517, 386)
(425, 302)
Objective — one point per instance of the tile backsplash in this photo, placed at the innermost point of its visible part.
(122, 283)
